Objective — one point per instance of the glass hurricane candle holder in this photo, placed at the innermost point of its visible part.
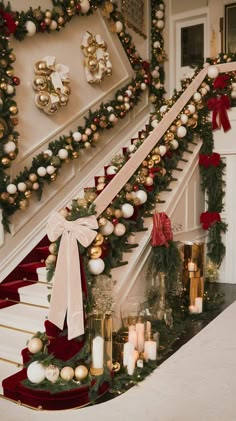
(100, 332)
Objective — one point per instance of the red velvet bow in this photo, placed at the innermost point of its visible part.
(221, 82)
(219, 105)
(9, 21)
(209, 160)
(161, 231)
(209, 218)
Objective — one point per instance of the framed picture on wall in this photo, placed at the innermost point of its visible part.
(230, 28)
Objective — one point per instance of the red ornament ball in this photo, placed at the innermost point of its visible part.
(16, 80)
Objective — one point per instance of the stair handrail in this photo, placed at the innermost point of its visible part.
(125, 173)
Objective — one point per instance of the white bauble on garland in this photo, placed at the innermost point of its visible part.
(85, 6)
(21, 187)
(127, 210)
(36, 372)
(162, 150)
(35, 345)
(107, 229)
(181, 131)
(41, 171)
(141, 195)
(77, 136)
(191, 108)
(81, 372)
(154, 123)
(50, 169)
(111, 170)
(197, 97)
(9, 147)
(184, 118)
(174, 143)
(63, 153)
(118, 26)
(163, 109)
(11, 188)
(160, 24)
(119, 230)
(30, 28)
(212, 72)
(48, 152)
(96, 266)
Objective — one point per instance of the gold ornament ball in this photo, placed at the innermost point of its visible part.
(5, 161)
(118, 213)
(35, 345)
(50, 260)
(12, 57)
(99, 239)
(102, 222)
(53, 248)
(67, 373)
(53, 176)
(75, 155)
(12, 156)
(23, 204)
(4, 196)
(81, 372)
(10, 72)
(33, 177)
(95, 252)
(27, 194)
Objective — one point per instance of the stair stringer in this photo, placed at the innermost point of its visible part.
(185, 224)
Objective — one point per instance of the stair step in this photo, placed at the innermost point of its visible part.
(10, 290)
(31, 267)
(35, 294)
(6, 370)
(12, 343)
(43, 250)
(24, 317)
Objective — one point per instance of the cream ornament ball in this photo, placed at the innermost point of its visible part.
(48, 152)
(184, 118)
(174, 143)
(111, 170)
(35, 345)
(63, 154)
(30, 28)
(67, 373)
(107, 229)
(127, 210)
(212, 72)
(159, 14)
(119, 230)
(118, 26)
(162, 150)
(154, 123)
(10, 89)
(21, 187)
(9, 147)
(85, 6)
(142, 196)
(52, 373)
(53, 25)
(149, 181)
(41, 171)
(36, 372)
(191, 108)
(50, 169)
(163, 109)
(181, 131)
(11, 188)
(81, 372)
(96, 266)
(77, 136)
(197, 97)
(160, 24)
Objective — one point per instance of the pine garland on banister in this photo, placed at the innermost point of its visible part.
(15, 194)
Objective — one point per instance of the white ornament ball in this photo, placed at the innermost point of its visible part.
(212, 72)
(119, 26)
(233, 86)
(203, 91)
(174, 143)
(50, 169)
(181, 131)
(63, 153)
(67, 373)
(11, 188)
(162, 150)
(149, 181)
(48, 152)
(132, 148)
(52, 373)
(163, 109)
(96, 266)
(143, 86)
(156, 44)
(128, 92)
(10, 89)
(197, 97)
(36, 372)
(127, 210)
(155, 73)
(9, 147)
(85, 6)
(53, 25)
(110, 108)
(191, 108)
(77, 136)
(111, 170)
(112, 118)
(30, 28)
(35, 345)
(141, 195)
(159, 14)
(119, 230)
(160, 24)
(154, 123)
(81, 372)
(41, 171)
(184, 118)
(21, 186)
(107, 229)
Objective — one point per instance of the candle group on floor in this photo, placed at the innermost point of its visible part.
(137, 344)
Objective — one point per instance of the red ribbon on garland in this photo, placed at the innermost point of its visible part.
(211, 160)
(221, 82)
(207, 219)
(146, 68)
(9, 22)
(219, 105)
(161, 231)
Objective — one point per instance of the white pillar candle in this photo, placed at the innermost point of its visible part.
(132, 337)
(97, 352)
(192, 309)
(198, 304)
(131, 363)
(150, 350)
(192, 267)
(128, 350)
(140, 336)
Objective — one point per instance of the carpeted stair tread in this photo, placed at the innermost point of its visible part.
(24, 317)
(43, 251)
(36, 293)
(12, 343)
(4, 304)
(31, 267)
(10, 289)
(6, 370)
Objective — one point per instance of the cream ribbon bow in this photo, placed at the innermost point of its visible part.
(67, 290)
(59, 74)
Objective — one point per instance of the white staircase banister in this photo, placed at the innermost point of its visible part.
(126, 172)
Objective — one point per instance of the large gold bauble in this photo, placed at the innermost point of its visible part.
(39, 83)
(5, 161)
(81, 372)
(99, 239)
(156, 158)
(23, 204)
(150, 163)
(53, 248)
(33, 177)
(95, 252)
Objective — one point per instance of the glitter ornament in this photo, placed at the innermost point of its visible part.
(52, 373)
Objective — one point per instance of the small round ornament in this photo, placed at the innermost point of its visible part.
(119, 230)
(52, 373)
(191, 108)
(35, 345)
(174, 143)
(84, 6)
(11, 188)
(154, 123)
(184, 118)
(141, 195)
(77, 136)
(160, 24)
(149, 181)
(50, 169)
(111, 170)
(99, 239)
(197, 97)
(36, 372)
(162, 150)
(96, 266)
(41, 171)
(9, 147)
(95, 252)
(81, 372)
(181, 131)
(212, 72)
(63, 154)
(21, 187)
(30, 28)
(67, 373)
(127, 210)
(163, 109)
(107, 229)
(118, 26)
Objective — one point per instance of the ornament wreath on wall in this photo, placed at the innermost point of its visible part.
(15, 194)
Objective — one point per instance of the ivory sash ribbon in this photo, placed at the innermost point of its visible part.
(67, 290)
